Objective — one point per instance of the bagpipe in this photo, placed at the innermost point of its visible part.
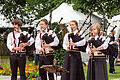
(78, 36)
(99, 42)
(3, 35)
(25, 37)
(48, 38)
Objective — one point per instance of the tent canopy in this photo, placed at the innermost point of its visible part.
(66, 12)
(115, 18)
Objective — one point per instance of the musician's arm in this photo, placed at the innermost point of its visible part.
(9, 42)
(38, 43)
(103, 46)
(81, 42)
(31, 41)
(65, 42)
(55, 41)
(87, 49)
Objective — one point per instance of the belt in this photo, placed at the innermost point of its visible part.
(22, 53)
(99, 56)
(46, 54)
(73, 50)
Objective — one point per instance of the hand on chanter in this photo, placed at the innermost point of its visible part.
(68, 48)
(72, 44)
(17, 48)
(46, 45)
(90, 54)
(93, 50)
(24, 44)
(42, 50)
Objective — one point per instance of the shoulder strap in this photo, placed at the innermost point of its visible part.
(14, 38)
(40, 35)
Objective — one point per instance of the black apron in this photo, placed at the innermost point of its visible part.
(73, 63)
(98, 70)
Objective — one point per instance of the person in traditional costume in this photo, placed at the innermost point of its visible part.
(73, 60)
(97, 68)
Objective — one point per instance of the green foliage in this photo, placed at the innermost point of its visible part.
(59, 53)
(27, 10)
(30, 10)
(110, 7)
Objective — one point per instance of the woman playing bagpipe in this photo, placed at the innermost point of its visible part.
(97, 69)
(73, 61)
(43, 45)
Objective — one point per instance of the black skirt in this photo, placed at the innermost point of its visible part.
(73, 63)
(97, 69)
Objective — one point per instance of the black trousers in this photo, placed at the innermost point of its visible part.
(36, 58)
(45, 60)
(15, 62)
(111, 63)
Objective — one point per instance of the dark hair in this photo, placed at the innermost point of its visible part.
(16, 21)
(44, 20)
(76, 23)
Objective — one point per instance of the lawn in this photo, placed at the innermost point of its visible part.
(32, 71)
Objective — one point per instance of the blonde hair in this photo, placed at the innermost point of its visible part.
(97, 26)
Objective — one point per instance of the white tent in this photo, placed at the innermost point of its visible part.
(5, 23)
(115, 21)
(68, 13)
(116, 18)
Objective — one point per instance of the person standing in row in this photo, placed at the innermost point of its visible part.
(46, 52)
(17, 49)
(73, 61)
(114, 51)
(97, 69)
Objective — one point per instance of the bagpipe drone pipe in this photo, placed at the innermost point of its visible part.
(111, 48)
(78, 37)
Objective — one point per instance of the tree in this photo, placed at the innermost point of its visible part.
(110, 7)
(27, 10)
(30, 10)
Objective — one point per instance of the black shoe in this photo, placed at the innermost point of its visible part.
(113, 72)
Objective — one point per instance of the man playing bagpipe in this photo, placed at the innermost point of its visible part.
(44, 41)
(16, 44)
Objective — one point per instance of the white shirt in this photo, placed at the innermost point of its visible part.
(10, 40)
(104, 45)
(38, 41)
(66, 41)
